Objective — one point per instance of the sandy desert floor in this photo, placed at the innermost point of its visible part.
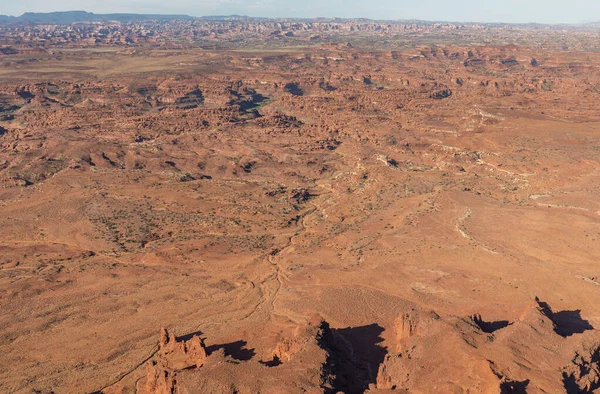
(332, 219)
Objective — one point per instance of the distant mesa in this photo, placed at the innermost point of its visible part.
(69, 17)
(79, 16)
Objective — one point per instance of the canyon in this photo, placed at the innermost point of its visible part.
(244, 206)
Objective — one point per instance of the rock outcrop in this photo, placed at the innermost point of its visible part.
(414, 323)
(492, 357)
(160, 379)
(173, 355)
(180, 354)
(583, 374)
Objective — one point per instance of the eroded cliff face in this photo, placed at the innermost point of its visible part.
(583, 374)
(538, 352)
(531, 354)
(184, 366)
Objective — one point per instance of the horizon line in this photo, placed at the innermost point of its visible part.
(582, 23)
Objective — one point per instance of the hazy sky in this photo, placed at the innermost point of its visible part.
(543, 11)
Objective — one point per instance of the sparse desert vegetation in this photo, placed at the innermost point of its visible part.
(325, 206)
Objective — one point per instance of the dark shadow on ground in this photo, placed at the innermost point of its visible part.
(272, 363)
(235, 350)
(355, 356)
(255, 102)
(571, 385)
(491, 326)
(566, 323)
(570, 322)
(189, 336)
(513, 387)
(293, 89)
